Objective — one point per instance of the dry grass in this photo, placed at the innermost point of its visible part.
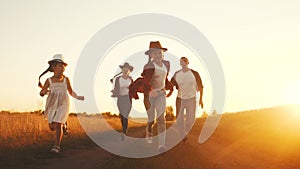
(27, 129)
(265, 138)
(25, 139)
(23, 129)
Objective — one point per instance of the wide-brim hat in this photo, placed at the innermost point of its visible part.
(155, 45)
(127, 65)
(58, 58)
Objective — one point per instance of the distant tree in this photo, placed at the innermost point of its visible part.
(106, 114)
(37, 112)
(214, 112)
(115, 115)
(169, 113)
(73, 114)
(109, 115)
(204, 114)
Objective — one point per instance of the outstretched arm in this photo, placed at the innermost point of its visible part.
(45, 88)
(71, 92)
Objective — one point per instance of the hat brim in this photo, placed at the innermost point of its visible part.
(148, 51)
(57, 60)
(130, 67)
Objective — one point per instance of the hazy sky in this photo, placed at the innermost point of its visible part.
(258, 44)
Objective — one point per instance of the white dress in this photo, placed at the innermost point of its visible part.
(57, 104)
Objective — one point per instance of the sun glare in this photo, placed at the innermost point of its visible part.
(292, 93)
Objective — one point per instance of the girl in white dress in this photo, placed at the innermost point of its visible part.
(57, 104)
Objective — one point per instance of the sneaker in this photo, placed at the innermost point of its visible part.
(148, 137)
(55, 149)
(162, 149)
(65, 129)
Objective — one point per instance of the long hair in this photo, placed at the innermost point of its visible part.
(49, 69)
(112, 79)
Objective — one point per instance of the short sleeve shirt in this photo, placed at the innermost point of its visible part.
(187, 85)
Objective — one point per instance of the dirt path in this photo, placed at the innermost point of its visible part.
(88, 158)
(214, 154)
(183, 156)
(247, 141)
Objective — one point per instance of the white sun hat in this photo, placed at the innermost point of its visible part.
(58, 58)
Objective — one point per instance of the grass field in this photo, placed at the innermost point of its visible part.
(265, 138)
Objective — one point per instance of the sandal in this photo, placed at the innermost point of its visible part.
(55, 149)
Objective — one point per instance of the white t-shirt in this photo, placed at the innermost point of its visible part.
(124, 83)
(158, 79)
(187, 85)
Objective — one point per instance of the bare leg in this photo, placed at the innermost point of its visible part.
(58, 133)
(52, 126)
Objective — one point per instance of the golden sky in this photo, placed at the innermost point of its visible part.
(257, 42)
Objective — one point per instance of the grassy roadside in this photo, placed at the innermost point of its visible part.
(25, 139)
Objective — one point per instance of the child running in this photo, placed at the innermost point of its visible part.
(57, 104)
(121, 91)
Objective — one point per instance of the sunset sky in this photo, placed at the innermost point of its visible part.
(257, 42)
